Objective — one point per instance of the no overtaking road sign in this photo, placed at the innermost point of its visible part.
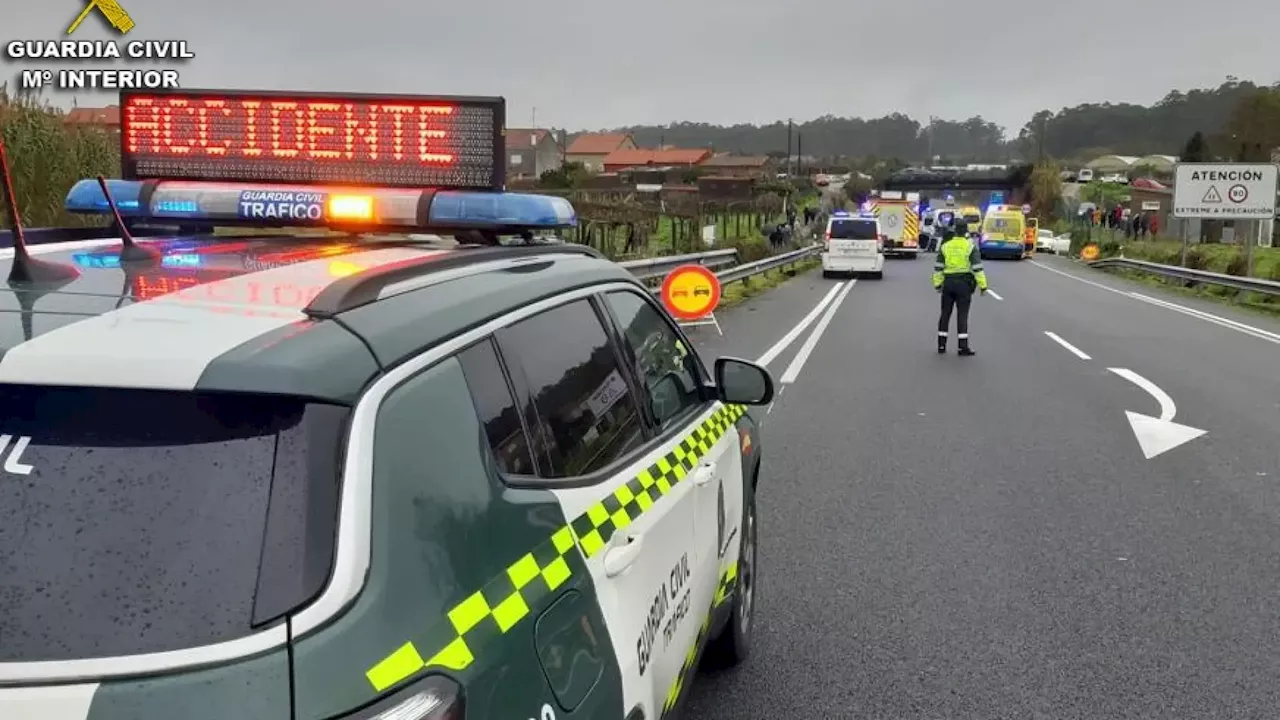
(1225, 191)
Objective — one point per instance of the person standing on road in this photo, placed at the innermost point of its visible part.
(957, 272)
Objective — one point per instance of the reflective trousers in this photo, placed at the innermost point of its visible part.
(957, 294)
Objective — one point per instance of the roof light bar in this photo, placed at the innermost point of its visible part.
(266, 205)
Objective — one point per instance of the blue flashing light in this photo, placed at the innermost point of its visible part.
(86, 197)
(176, 207)
(280, 206)
(840, 213)
(453, 208)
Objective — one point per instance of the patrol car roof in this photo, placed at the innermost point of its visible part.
(231, 314)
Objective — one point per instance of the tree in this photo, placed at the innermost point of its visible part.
(1196, 150)
(567, 176)
(1045, 188)
(1033, 137)
(1254, 126)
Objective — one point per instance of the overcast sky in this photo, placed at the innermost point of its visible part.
(605, 63)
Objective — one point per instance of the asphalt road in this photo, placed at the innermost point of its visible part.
(947, 537)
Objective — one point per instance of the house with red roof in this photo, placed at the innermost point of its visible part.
(636, 158)
(106, 118)
(590, 149)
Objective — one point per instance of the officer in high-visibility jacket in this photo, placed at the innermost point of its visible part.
(957, 272)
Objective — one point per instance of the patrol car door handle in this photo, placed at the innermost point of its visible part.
(705, 473)
(620, 557)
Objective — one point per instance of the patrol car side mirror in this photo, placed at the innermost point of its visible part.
(741, 382)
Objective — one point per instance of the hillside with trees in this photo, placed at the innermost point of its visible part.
(1076, 133)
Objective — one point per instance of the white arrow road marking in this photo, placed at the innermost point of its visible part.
(1156, 435)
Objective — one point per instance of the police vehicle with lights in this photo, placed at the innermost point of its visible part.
(853, 244)
(353, 475)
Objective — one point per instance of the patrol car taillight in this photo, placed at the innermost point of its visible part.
(431, 698)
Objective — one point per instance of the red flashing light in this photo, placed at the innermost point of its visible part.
(396, 141)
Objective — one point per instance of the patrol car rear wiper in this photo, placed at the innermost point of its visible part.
(26, 270)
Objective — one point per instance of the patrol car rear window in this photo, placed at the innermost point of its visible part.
(137, 521)
(853, 229)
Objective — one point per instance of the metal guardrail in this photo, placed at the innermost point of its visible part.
(657, 267)
(1249, 284)
(649, 268)
(751, 269)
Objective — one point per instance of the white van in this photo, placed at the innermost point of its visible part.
(1084, 176)
(853, 244)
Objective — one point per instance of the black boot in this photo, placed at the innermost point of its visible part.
(965, 350)
(942, 344)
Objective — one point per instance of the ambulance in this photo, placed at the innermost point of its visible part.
(899, 225)
(853, 244)
(971, 215)
(1003, 233)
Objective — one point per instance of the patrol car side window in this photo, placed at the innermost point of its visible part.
(666, 366)
(496, 407)
(587, 414)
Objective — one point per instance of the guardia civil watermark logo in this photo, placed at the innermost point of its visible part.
(43, 63)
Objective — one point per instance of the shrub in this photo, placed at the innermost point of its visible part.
(47, 158)
(1237, 266)
(749, 248)
(1197, 259)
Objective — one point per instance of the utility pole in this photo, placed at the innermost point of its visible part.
(533, 120)
(928, 162)
(788, 146)
(799, 153)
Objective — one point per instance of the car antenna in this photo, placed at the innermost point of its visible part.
(130, 250)
(26, 269)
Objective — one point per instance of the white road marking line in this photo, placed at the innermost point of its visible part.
(1077, 278)
(1209, 317)
(772, 353)
(802, 356)
(1070, 348)
(994, 294)
(1190, 312)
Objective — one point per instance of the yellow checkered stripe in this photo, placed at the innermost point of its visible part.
(910, 227)
(504, 601)
(727, 580)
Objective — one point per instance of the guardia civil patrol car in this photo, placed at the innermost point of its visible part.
(360, 476)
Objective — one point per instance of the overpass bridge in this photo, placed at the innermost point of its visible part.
(935, 182)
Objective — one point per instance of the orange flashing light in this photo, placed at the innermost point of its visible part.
(351, 207)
